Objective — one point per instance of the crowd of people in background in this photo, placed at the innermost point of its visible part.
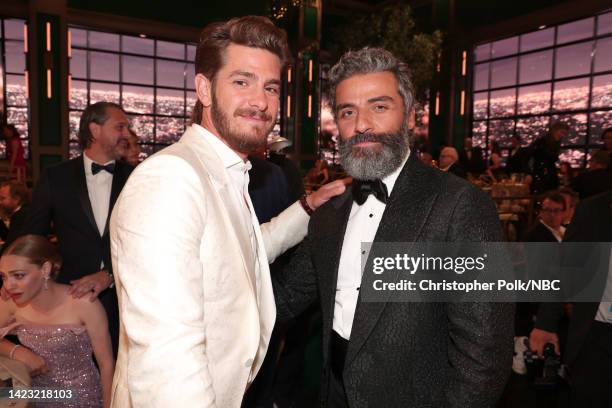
(69, 288)
(555, 185)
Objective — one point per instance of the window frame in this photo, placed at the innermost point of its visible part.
(476, 120)
(148, 143)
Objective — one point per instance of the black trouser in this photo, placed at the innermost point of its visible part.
(591, 373)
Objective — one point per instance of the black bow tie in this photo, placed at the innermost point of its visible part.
(96, 168)
(362, 189)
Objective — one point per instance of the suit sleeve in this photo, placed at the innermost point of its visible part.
(156, 230)
(480, 341)
(295, 287)
(40, 213)
(284, 231)
(17, 223)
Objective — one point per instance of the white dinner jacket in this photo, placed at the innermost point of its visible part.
(192, 331)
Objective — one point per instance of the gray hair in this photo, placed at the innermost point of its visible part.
(368, 61)
(96, 113)
(451, 151)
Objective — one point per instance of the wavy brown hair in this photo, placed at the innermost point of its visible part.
(37, 250)
(250, 31)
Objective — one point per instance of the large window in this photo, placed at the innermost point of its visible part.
(13, 94)
(152, 79)
(562, 73)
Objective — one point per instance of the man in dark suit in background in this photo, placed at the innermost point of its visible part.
(270, 196)
(14, 200)
(77, 198)
(268, 189)
(378, 354)
(597, 178)
(549, 227)
(295, 182)
(449, 162)
(588, 352)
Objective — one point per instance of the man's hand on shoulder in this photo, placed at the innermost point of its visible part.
(92, 284)
(327, 191)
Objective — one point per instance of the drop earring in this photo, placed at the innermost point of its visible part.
(46, 284)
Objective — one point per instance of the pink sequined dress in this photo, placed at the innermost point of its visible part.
(67, 352)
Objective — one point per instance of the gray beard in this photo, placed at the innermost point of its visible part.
(374, 162)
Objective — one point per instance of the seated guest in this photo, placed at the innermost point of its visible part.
(495, 169)
(596, 179)
(57, 332)
(449, 162)
(549, 227)
(14, 200)
(427, 159)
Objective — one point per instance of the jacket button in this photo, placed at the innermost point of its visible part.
(248, 363)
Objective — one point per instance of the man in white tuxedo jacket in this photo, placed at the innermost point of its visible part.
(191, 261)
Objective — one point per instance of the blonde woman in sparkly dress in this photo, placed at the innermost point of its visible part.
(57, 332)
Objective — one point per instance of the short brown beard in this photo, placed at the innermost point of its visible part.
(238, 141)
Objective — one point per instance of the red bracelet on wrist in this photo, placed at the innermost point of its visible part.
(305, 205)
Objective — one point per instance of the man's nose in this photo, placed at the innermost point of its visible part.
(258, 99)
(363, 124)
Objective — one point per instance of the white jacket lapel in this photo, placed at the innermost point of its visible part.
(230, 208)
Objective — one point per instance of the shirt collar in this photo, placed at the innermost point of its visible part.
(87, 163)
(229, 158)
(390, 179)
(558, 234)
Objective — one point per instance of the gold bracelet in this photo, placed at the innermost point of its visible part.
(12, 353)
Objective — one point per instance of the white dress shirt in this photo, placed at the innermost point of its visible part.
(99, 191)
(362, 226)
(558, 234)
(238, 171)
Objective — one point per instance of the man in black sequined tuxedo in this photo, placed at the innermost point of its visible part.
(394, 354)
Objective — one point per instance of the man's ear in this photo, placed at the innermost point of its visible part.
(203, 89)
(411, 119)
(94, 129)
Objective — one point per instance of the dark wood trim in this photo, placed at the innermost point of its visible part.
(131, 25)
(568, 11)
(13, 8)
